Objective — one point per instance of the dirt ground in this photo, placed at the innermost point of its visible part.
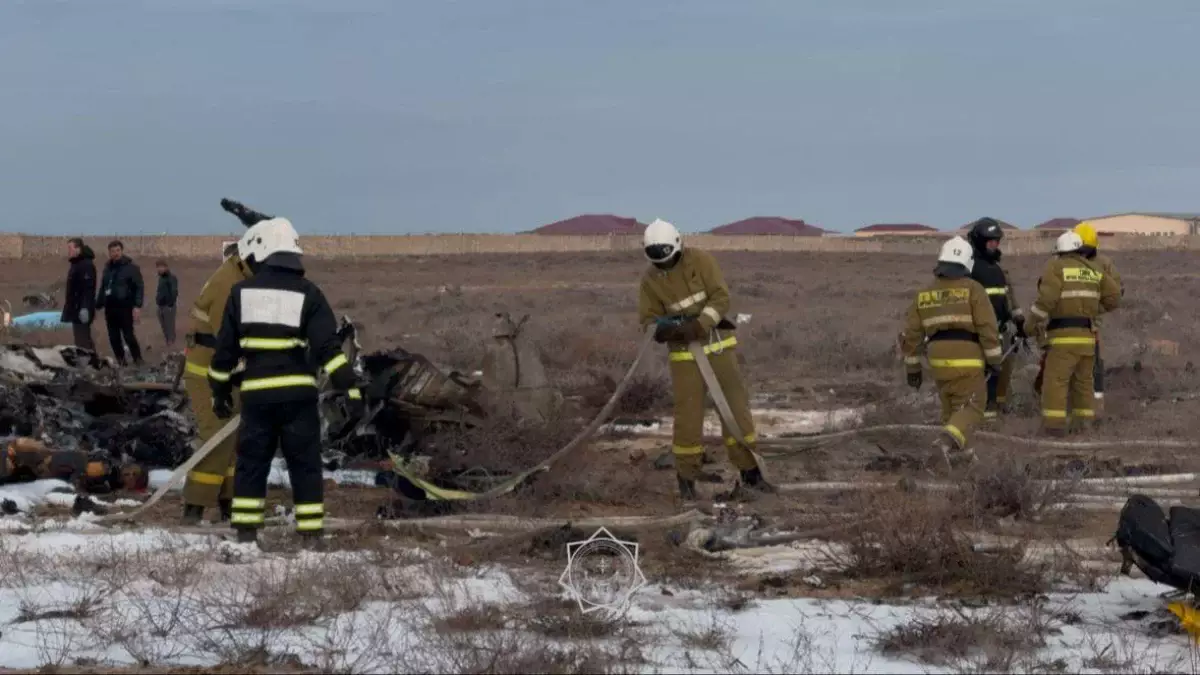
(822, 335)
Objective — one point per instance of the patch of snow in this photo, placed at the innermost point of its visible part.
(768, 422)
(279, 476)
(28, 495)
(50, 573)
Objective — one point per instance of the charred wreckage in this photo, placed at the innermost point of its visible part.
(70, 414)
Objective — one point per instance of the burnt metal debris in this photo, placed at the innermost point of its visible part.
(69, 413)
(415, 399)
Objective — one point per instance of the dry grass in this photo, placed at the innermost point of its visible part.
(996, 640)
(1004, 486)
(915, 543)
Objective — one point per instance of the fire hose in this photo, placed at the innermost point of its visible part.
(436, 493)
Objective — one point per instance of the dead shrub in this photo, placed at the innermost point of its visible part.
(81, 608)
(646, 393)
(563, 620)
(502, 443)
(912, 540)
(470, 618)
(995, 641)
(1002, 486)
(291, 594)
(713, 633)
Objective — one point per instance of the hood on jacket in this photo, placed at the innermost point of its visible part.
(951, 270)
(85, 253)
(286, 261)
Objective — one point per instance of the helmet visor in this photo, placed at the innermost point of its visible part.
(659, 252)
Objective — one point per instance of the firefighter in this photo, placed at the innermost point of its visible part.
(1090, 250)
(210, 483)
(276, 321)
(685, 293)
(953, 315)
(984, 236)
(1072, 293)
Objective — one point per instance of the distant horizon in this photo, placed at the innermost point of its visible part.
(236, 228)
(387, 117)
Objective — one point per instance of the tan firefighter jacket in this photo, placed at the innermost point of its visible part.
(207, 312)
(694, 287)
(1072, 293)
(1109, 269)
(957, 318)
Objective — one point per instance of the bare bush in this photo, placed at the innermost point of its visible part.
(913, 540)
(484, 616)
(712, 633)
(1002, 485)
(994, 640)
(563, 620)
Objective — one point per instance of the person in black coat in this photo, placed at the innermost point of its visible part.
(165, 298)
(120, 297)
(79, 305)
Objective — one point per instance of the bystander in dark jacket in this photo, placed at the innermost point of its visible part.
(79, 301)
(166, 298)
(121, 299)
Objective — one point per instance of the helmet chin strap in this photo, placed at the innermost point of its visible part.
(669, 262)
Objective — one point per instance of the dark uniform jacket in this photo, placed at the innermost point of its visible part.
(167, 292)
(80, 292)
(283, 326)
(961, 326)
(121, 285)
(999, 290)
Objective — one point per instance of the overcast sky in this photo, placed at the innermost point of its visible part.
(381, 116)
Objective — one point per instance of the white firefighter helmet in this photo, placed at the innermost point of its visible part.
(1068, 242)
(268, 237)
(660, 241)
(957, 250)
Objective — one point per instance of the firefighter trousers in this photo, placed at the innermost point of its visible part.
(295, 428)
(687, 385)
(212, 479)
(1068, 379)
(963, 399)
(997, 388)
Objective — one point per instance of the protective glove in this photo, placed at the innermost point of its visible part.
(666, 332)
(84, 315)
(356, 407)
(1019, 322)
(914, 380)
(222, 405)
(693, 330)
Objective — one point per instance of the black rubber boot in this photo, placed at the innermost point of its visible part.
(687, 489)
(247, 535)
(753, 479)
(192, 514)
(226, 506)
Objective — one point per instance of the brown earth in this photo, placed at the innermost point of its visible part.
(822, 334)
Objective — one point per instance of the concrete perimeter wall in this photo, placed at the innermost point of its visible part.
(325, 246)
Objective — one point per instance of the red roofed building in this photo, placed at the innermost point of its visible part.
(593, 224)
(1059, 224)
(1004, 225)
(908, 229)
(768, 225)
